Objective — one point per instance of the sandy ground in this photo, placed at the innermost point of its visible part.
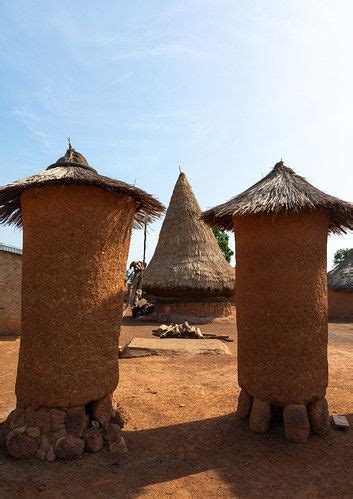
(184, 438)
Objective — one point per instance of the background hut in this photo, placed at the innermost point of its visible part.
(10, 290)
(281, 226)
(340, 290)
(188, 275)
(76, 235)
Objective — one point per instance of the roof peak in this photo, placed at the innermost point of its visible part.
(72, 158)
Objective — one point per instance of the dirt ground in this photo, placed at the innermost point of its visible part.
(185, 439)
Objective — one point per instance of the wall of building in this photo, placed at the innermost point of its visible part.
(340, 305)
(10, 293)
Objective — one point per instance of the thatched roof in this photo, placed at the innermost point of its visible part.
(282, 190)
(341, 277)
(187, 260)
(73, 168)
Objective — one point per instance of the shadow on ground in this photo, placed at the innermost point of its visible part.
(244, 464)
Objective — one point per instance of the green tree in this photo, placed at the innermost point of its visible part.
(223, 242)
(340, 255)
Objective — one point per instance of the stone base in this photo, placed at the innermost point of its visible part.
(298, 419)
(142, 347)
(192, 312)
(50, 433)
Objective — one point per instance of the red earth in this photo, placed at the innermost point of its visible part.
(184, 437)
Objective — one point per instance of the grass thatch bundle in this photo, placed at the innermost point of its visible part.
(73, 169)
(341, 277)
(187, 262)
(282, 190)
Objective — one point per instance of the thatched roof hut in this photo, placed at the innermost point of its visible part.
(340, 290)
(73, 168)
(187, 265)
(282, 190)
(341, 277)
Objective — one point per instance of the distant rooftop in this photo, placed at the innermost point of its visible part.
(10, 249)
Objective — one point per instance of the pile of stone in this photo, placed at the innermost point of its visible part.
(63, 433)
(178, 331)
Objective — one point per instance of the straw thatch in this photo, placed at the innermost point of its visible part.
(187, 262)
(282, 190)
(341, 277)
(73, 168)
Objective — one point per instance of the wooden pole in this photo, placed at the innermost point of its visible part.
(144, 254)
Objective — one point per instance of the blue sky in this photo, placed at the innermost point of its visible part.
(225, 88)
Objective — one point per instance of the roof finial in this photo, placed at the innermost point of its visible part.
(68, 139)
(181, 171)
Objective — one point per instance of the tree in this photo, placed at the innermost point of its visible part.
(223, 242)
(340, 255)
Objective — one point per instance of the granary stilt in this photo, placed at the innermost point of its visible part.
(76, 235)
(281, 225)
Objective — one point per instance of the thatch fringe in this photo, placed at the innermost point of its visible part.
(187, 261)
(341, 277)
(74, 169)
(282, 190)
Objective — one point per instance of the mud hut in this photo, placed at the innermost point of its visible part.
(281, 225)
(76, 234)
(188, 276)
(10, 290)
(340, 290)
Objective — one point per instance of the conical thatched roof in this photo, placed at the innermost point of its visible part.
(187, 261)
(341, 277)
(282, 190)
(73, 168)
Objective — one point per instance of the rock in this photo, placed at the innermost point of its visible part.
(69, 447)
(53, 436)
(21, 445)
(50, 455)
(41, 418)
(40, 454)
(111, 432)
(57, 417)
(260, 416)
(2, 436)
(102, 410)
(93, 440)
(119, 416)
(33, 431)
(17, 418)
(244, 404)
(75, 420)
(118, 447)
(43, 442)
(296, 423)
(319, 417)
(15, 431)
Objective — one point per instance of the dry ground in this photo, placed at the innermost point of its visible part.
(184, 438)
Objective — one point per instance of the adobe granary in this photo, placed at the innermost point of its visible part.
(340, 290)
(188, 276)
(281, 225)
(76, 234)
